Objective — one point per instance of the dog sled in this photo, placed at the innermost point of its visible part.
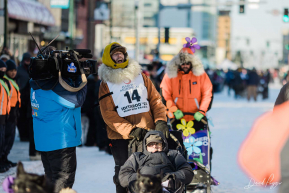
(196, 148)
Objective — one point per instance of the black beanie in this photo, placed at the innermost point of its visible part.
(2, 64)
(10, 65)
(26, 56)
(117, 48)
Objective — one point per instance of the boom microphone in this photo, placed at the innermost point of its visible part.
(83, 51)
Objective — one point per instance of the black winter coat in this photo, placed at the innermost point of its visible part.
(253, 78)
(167, 161)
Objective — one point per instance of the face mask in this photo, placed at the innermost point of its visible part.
(2, 74)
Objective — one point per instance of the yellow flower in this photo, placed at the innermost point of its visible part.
(187, 128)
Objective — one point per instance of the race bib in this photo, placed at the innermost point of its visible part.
(130, 97)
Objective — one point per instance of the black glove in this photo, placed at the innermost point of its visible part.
(138, 133)
(163, 127)
(171, 181)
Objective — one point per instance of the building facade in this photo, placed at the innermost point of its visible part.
(148, 38)
(26, 16)
(223, 50)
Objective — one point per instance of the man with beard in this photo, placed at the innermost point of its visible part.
(188, 87)
(129, 103)
(4, 112)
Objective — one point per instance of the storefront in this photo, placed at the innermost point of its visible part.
(24, 17)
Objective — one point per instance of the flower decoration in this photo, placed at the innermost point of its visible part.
(192, 145)
(187, 128)
(171, 109)
(192, 44)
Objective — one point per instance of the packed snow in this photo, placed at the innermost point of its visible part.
(232, 121)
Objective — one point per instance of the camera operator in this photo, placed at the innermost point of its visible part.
(57, 126)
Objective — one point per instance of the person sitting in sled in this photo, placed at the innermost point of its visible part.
(157, 159)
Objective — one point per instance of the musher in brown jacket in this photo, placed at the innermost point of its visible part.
(129, 103)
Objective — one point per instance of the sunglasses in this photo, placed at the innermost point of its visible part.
(158, 145)
(187, 64)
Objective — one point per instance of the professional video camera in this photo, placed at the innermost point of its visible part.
(57, 63)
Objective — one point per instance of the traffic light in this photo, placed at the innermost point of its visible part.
(167, 34)
(242, 6)
(286, 15)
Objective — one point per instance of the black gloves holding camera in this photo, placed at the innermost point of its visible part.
(138, 133)
(163, 127)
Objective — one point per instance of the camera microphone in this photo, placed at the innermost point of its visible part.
(83, 51)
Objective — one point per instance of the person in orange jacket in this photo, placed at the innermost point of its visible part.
(15, 104)
(4, 112)
(187, 86)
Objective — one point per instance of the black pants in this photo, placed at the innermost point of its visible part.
(60, 167)
(9, 138)
(32, 150)
(2, 139)
(91, 134)
(119, 151)
(23, 124)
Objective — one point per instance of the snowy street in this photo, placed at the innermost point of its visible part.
(232, 121)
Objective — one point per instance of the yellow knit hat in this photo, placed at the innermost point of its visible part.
(106, 58)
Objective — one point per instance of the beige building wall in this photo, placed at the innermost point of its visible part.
(56, 12)
(223, 38)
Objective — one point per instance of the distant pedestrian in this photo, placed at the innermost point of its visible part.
(252, 82)
(237, 84)
(229, 80)
(267, 79)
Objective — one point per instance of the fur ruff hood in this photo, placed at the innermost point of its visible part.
(67, 190)
(173, 66)
(115, 76)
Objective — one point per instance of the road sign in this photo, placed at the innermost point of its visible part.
(62, 4)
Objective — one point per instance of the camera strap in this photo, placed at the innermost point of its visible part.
(70, 88)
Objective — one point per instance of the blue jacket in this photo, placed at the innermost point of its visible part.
(56, 115)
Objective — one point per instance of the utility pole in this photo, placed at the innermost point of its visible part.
(71, 22)
(6, 19)
(91, 26)
(189, 16)
(137, 27)
(110, 21)
(159, 29)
